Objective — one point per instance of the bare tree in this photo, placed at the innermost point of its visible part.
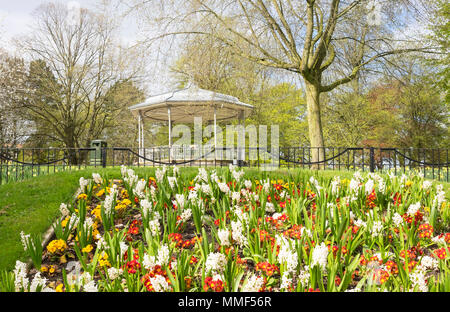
(309, 38)
(79, 62)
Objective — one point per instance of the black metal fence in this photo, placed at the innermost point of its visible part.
(21, 163)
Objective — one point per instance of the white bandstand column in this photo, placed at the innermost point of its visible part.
(170, 131)
(215, 133)
(139, 133)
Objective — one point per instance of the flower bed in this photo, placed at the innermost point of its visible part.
(230, 232)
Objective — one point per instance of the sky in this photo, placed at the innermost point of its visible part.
(16, 16)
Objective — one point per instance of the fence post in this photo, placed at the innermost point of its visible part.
(372, 159)
(103, 157)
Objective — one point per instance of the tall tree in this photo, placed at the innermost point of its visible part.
(308, 37)
(78, 61)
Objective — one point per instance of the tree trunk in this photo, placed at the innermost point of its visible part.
(314, 123)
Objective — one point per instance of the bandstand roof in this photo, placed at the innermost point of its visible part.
(185, 104)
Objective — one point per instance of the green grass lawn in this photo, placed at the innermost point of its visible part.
(32, 205)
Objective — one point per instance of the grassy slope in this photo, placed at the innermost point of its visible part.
(32, 205)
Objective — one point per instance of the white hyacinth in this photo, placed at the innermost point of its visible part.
(320, 256)
(37, 281)
(413, 209)
(254, 283)
(97, 178)
(149, 262)
(288, 255)
(159, 283)
(248, 184)
(20, 273)
(397, 219)
(185, 215)
(429, 263)
(139, 189)
(154, 226)
(270, 207)
(83, 184)
(426, 185)
(64, 210)
(286, 281)
(114, 273)
(377, 228)
(163, 255)
(369, 186)
(237, 229)
(146, 207)
(335, 185)
(215, 262)
(303, 277)
(224, 237)
(172, 182)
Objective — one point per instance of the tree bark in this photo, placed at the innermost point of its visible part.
(314, 123)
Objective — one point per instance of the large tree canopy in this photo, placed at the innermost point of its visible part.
(311, 38)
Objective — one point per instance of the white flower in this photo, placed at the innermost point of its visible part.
(202, 175)
(149, 262)
(266, 186)
(160, 173)
(25, 240)
(237, 229)
(159, 283)
(418, 279)
(377, 228)
(270, 207)
(397, 219)
(254, 283)
(426, 185)
(235, 196)
(113, 273)
(215, 262)
(440, 196)
(37, 281)
(83, 184)
(303, 277)
(64, 210)
(206, 188)
(90, 287)
(176, 170)
(140, 188)
(237, 175)
(172, 181)
(224, 237)
(163, 255)
(223, 187)
(360, 223)
(179, 200)
(438, 240)
(123, 248)
(429, 263)
(413, 209)
(286, 281)
(185, 215)
(97, 178)
(288, 256)
(354, 185)
(20, 272)
(146, 207)
(368, 187)
(320, 256)
(154, 226)
(248, 184)
(335, 185)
